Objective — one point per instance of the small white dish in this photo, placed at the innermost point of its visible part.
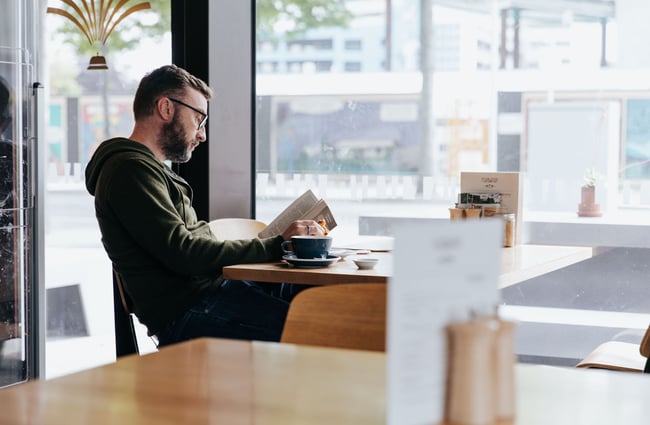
(365, 263)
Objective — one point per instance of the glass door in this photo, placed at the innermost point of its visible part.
(16, 196)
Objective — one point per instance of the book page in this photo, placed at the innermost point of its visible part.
(295, 211)
(320, 211)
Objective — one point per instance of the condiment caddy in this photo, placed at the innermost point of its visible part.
(485, 205)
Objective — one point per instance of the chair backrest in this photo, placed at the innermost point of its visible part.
(644, 349)
(342, 316)
(236, 228)
(644, 346)
(129, 332)
(126, 341)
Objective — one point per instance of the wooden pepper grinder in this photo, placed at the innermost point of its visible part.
(471, 379)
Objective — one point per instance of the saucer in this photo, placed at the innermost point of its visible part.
(310, 262)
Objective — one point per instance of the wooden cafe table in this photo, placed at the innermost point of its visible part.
(518, 263)
(218, 381)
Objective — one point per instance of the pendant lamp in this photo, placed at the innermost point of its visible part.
(97, 20)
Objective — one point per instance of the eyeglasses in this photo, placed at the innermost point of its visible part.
(203, 114)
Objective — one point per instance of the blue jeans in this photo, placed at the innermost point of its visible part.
(236, 309)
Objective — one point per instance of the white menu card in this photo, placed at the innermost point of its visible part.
(442, 271)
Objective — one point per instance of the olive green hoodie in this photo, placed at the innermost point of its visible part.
(167, 257)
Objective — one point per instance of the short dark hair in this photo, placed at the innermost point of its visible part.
(168, 80)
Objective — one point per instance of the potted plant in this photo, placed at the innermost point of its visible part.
(588, 206)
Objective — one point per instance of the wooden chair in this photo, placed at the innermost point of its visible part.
(342, 316)
(127, 326)
(236, 228)
(125, 339)
(617, 355)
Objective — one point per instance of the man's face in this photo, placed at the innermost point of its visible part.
(176, 142)
(183, 134)
(176, 145)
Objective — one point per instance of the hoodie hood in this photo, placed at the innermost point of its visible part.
(107, 151)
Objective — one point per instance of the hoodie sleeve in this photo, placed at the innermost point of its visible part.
(138, 209)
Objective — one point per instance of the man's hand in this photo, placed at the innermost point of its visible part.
(303, 228)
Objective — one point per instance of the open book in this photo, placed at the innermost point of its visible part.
(305, 207)
(618, 355)
(615, 355)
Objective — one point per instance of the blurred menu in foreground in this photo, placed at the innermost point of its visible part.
(443, 272)
(306, 207)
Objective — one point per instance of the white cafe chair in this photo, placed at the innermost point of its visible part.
(236, 228)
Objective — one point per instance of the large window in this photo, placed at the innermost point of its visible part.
(85, 107)
(377, 106)
(554, 91)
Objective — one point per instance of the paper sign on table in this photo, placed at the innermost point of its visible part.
(442, 272)
(508, 184)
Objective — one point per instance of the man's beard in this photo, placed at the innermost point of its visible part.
(174, 142)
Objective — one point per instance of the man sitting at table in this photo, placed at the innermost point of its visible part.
(169, 261)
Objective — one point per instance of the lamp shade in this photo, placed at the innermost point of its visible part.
(97, 62)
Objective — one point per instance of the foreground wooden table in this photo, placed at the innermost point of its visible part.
(518, 263)
(210, 381)
(213, 381)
